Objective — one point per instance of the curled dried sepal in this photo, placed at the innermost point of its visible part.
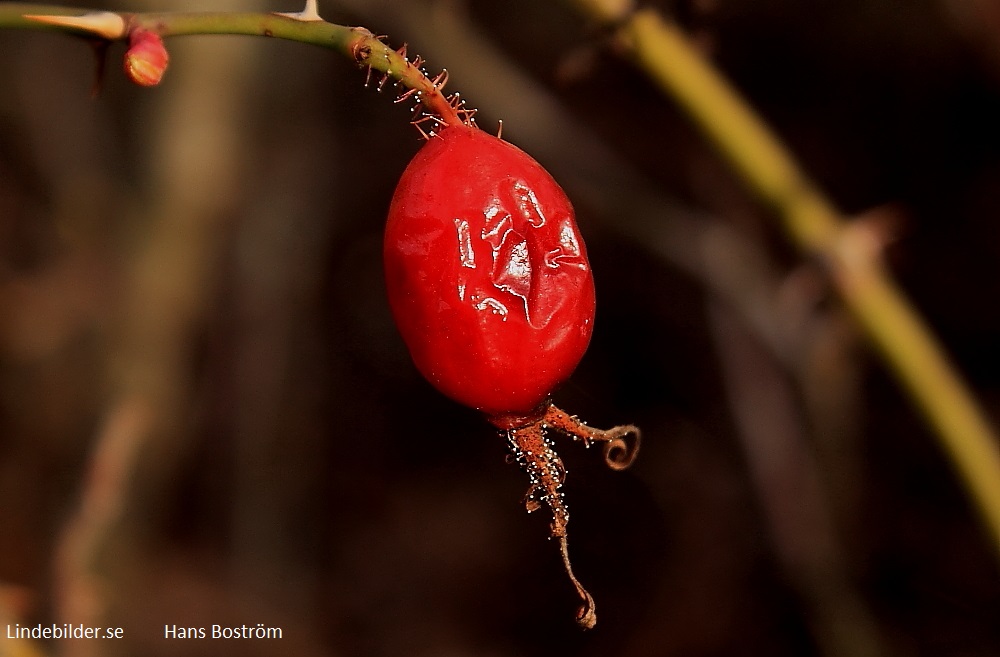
(534, 452)
(586, 615)
(618, 453)
(146, 58)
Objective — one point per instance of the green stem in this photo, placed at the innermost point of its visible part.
(356, 43)
(892, 325)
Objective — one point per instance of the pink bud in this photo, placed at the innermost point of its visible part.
(146, 58)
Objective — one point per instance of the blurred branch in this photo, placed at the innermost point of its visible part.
(979, 22)
(890, 322)
(787, 477)
(79, 591)
(14, 601)
(193, 178)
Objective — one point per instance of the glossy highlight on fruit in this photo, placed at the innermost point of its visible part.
(487, 274)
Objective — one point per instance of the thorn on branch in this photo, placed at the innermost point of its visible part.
(104, 24)
(308, 15)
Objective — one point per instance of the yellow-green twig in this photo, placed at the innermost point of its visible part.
(890, 322)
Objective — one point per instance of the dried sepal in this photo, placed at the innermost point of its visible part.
(618, 453)
(534, 451)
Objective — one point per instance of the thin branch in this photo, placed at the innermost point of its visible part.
(357, 43)
(80, 595)
(788, 482)
(890, 322)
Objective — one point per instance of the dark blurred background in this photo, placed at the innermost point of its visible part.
(207, 417)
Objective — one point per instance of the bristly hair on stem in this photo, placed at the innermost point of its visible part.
(359, 44)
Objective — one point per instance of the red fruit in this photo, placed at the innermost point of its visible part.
(490, 286)
(487, 274)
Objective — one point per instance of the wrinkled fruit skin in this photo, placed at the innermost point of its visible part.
(487, 274)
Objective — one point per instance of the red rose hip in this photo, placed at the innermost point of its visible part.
(487, 274)
(490, 286)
